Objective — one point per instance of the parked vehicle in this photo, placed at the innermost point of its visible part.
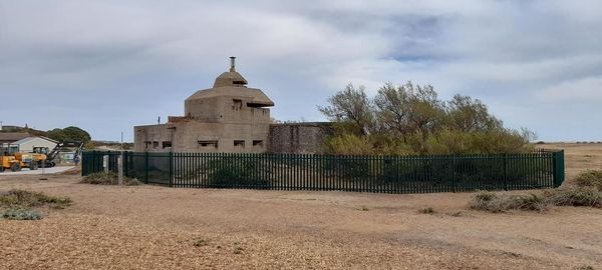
(9, 163)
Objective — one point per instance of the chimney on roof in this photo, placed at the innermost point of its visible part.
(232, 63)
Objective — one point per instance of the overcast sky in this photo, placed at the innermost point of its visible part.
(106, 66)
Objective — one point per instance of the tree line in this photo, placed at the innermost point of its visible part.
(412, 119)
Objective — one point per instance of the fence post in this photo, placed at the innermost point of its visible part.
(558, 168)
(146, 167)
(105, 163)
(505, 171)
(170, 169)
(120, 169)
(453, 168)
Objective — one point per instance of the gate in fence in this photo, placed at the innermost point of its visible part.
(385, 174)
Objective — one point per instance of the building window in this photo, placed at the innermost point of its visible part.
(147, 144)
(208, 143)
(155, 145)
(236, 104)
(240, 143)
(166, 144)
(258, 143)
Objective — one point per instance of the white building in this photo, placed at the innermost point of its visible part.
(29, 143)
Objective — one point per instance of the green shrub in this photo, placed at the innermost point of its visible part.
(501, 202)
(24, 199)
(590, 178)
(21, 214)
(575, 196)
(108, 178)
(246, 173)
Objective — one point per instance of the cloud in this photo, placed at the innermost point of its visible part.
(579, 91)
(109, 65)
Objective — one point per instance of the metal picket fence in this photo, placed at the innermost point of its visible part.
(384, 174)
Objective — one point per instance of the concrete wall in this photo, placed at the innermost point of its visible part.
(194, 136)
(298, 137)
(226, 109)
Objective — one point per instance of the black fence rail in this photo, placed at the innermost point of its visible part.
(385, 174)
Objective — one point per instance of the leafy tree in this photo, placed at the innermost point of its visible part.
(408, 109)
(411, 119)
(56, 134)
(69, 134)
(470, 115)
(352, 107)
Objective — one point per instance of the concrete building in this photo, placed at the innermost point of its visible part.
(230, 117)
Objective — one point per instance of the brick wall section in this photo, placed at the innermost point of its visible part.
(298, 137)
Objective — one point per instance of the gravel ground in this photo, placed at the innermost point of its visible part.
(150, 227)
(53, 170)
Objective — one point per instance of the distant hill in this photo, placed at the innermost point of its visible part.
(70, 133)
(31, 131)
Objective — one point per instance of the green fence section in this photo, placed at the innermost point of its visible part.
(386, 174)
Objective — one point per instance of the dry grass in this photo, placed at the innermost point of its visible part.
(428, 210)
(575, 196)
(108, 178)
(23, 199)
(502, 202)
(589, 178)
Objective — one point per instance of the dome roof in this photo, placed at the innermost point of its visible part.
(232, 84)
(256, 96)
(231, 78)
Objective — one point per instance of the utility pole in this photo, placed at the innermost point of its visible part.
(121, 141)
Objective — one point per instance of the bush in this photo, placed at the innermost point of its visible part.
(110, 178)
(248, 173)
(590, 178)
(501, 202)
(428, 210)
(23, 199)
(575, 196)
(21, 214)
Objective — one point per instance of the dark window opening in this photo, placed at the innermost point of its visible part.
(239, 143)
(236, 104)
(208, 143)
(155, 144)
(256, 105)
(166, 144)
(257, 143)
(147, 144)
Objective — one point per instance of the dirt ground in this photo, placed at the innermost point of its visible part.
(150, 227)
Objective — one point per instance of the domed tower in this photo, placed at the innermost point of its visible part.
(230, 117)
(229, 100)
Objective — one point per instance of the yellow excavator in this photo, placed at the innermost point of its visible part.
(15, 160)
(9, 163)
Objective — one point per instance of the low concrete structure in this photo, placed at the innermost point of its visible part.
(307, 137)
